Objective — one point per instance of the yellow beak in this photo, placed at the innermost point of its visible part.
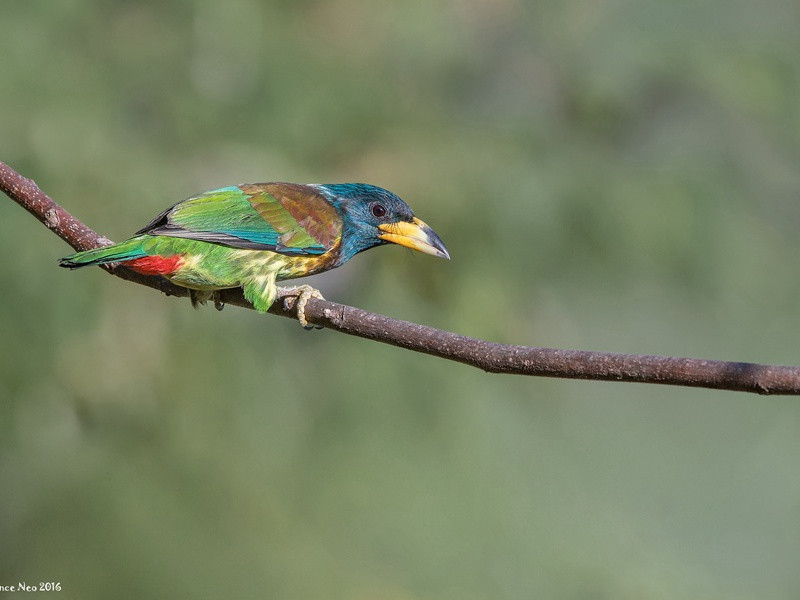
(414, 234)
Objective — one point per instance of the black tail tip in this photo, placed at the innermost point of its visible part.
(68, 263)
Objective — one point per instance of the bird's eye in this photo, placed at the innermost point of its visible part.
(378, 211)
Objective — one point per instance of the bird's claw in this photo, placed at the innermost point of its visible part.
(218, 303)
(302, 293)
(199, 297)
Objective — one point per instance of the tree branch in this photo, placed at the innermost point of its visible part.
(489, 356)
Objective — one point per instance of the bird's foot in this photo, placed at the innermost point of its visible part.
(218, 303)
(198, 297)
(303, 293)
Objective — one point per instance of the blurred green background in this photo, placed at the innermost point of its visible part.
(616, 176)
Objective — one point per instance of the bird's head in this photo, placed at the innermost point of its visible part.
(374, 216)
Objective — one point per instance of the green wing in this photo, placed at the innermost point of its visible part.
(283, 217)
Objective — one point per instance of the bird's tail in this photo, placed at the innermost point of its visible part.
(124, 251)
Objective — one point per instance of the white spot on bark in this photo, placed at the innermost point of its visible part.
(51, 218)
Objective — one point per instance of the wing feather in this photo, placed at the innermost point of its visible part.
(283, 217)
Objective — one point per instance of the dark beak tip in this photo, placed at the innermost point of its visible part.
(437, 243)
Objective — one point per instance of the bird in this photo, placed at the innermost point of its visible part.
(253, 235)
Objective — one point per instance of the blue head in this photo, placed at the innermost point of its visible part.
(374, 216)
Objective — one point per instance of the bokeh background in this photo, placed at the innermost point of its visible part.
(608, 175)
